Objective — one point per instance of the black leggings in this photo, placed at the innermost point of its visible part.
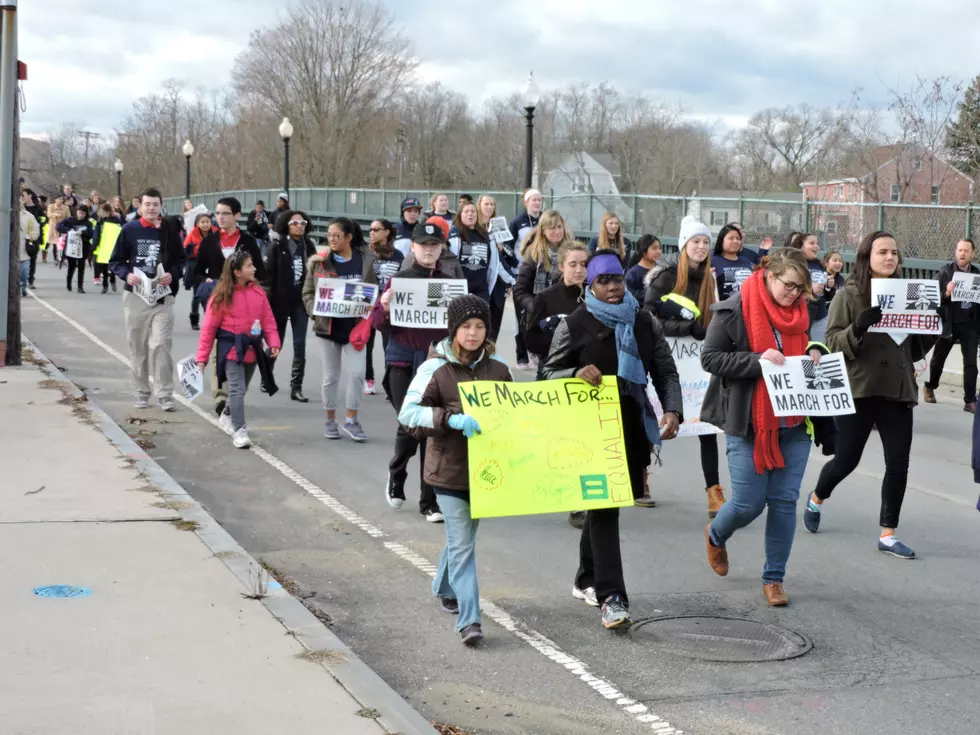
(709, 459)
(894, 423)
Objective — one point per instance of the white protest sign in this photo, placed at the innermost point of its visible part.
(500, 230)
(190, 216)
(73, 243)
(150, 289)
(908, 306)
(694, 384)
(342, 299)
(190, 377)
(800, 387)
(422, 302)
(966, 287)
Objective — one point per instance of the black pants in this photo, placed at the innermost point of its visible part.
(369, 367)
(299, 320)
(79, 265)
(894, 423)
(600, 557)
(709, 459)
(397, 380)
(498, 298)
(33, 268)
(969, 339)
(103, 270)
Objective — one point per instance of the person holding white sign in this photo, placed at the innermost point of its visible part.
(961, 323)
(882, 376)
(78, 244)
(408, 347)
(350, 259)
(767, 455)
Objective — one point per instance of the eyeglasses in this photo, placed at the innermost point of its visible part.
(607, 279)
(297, 222)
(377, 229)
(791, 287)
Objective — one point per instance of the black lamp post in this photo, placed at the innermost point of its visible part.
(285, 132)
(118, 165)
(188, 152)
(530, 97)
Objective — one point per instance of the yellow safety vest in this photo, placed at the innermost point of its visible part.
(107, 242)
(684, 303)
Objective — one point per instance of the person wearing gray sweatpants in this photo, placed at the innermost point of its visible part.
(151, 245)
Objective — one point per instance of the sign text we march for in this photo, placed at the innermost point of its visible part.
(908, 306)
(423, 302)
(336, 297)
(966, 287)
(800, 387)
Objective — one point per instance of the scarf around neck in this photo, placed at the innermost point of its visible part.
(763, 317)
(621, 318)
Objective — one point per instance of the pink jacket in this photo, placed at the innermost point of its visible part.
(248, 304)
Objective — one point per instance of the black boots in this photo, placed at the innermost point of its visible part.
(196, 322)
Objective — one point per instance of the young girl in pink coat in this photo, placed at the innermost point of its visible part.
(239, 317)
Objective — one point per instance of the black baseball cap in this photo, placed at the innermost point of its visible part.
(426, 232)
(411, 203)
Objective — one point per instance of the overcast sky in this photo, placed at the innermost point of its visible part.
(89, 59)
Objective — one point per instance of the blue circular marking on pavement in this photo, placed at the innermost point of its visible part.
(61, 590)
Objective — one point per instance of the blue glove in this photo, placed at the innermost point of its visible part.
(467, 424)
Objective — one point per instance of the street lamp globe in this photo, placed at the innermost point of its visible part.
(118, 165)
(530, 95)
(188, 148)
(285, 129)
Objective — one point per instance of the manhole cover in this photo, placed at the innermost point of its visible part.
(61, 590)
(712, 638)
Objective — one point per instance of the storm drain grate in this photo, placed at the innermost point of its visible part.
(712, 638)
(61, 590)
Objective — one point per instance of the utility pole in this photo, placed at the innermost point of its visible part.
(9, 224)
(88, 136)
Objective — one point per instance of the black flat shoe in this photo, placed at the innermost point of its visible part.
(297, 395)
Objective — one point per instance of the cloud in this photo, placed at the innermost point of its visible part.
(720, 60)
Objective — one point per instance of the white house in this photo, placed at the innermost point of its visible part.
(583, 187)
(761, 213)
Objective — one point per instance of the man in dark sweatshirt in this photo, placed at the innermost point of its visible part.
(410, 211)
(150, 245)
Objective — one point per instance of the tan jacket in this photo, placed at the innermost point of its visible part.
(321, 266)
(29, 230)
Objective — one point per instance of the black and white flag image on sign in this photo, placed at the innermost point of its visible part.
(423, 302)
(908, 306)
(966, 287)
(799, 387)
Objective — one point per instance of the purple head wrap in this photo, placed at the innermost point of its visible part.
(605, 264)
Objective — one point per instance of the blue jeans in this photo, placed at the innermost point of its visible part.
(752, 492)
(25, 271)
(456, 577)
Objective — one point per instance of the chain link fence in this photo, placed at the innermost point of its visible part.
(924, 232)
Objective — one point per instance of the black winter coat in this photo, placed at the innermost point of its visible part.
(532, 280)
(950, 310)
(660, 281)
(550, 306)
(211, 261)
(283, 291)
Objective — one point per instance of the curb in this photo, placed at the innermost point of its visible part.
(356, 677)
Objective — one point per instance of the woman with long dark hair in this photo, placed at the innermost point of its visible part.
(882, 376)
(731, 266)
(286, 266)
(388, 261)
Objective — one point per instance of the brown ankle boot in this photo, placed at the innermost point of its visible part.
(928, 394)
(774, 594)
(717, 556)
(716, 499)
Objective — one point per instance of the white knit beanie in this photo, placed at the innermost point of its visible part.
(690, 227)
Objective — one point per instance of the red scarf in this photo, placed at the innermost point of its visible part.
(762, 315)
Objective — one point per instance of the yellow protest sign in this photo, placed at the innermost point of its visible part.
(546, 447)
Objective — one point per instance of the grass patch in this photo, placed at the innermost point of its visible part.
(287, 582)
(323, 657)
(259, 582)
(369, 713)
(183, 525)
(226, 555)
(174, 505)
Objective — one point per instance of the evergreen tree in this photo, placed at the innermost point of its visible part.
(963, 136)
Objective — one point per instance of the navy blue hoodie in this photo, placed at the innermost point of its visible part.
(520, 228)
(140, 245)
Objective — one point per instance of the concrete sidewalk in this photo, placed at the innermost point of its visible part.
(164, 638)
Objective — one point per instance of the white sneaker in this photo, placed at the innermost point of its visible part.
(587, 595)
(369, 389)
(240, 439)
(142, 401)
(434, 516)
(224, 421)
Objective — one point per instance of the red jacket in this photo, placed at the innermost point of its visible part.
(248, 304)
(192, 242)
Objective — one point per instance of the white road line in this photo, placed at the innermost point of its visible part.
(540, 643)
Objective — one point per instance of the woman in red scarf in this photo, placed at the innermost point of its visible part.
(767, 455)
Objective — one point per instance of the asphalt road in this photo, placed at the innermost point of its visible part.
(896, 644)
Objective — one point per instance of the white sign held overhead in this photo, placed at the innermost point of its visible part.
(190, 377)
(423, 302)
(342, 299)
(800, 387)
(908, 306)
(694, 384)
(966, 287)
